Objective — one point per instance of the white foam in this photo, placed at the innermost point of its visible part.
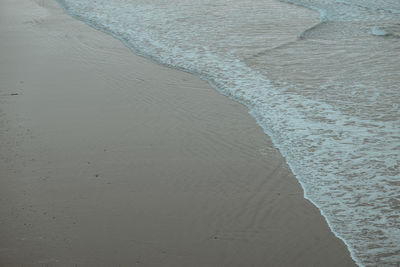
(379, 31)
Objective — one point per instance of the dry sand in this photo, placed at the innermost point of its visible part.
(108, 159)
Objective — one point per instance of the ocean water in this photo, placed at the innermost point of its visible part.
(321, 77)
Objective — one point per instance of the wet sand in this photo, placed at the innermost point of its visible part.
(108, 159)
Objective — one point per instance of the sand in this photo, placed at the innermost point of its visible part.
(108, 159)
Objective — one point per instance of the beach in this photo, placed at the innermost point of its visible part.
(108, 159)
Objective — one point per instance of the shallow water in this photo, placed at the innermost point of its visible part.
(326, 92)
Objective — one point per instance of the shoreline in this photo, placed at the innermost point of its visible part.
(112, 159)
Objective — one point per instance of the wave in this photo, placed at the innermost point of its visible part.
(327, 104)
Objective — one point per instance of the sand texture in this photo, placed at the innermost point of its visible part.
(108, 159)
